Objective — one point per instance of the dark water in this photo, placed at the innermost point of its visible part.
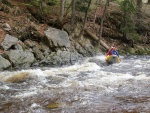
(90, 86)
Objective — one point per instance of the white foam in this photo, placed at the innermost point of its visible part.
(25, 94)
(137, 66)
(6, 87)
(35, 105)
(74, 69)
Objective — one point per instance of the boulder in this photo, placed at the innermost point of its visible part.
(60, 58)
(38, 53)
(8, 42)
(57, 38)
(20, 58)
(4, 63)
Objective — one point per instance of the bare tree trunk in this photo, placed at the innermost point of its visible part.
(67, 10)
(139, 9)
(101, 24)
(73, 15)
(124, 25)
(85, 19)
(94, 18)
(148, 2)
(62, 9)
(40, 7)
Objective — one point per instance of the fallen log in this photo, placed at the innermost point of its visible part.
(94, 37)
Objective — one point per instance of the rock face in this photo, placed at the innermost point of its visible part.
(55, 49)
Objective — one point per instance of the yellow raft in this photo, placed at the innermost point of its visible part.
(112, 59)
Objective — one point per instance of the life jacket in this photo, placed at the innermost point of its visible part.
(114, 52)
(109, 52)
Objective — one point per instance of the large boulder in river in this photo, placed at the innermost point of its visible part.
(57, 38)
(4, 63)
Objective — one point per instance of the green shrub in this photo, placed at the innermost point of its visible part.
(81, 5)
(128, 25)
(51, 2)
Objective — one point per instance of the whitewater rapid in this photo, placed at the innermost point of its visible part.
(89, 86)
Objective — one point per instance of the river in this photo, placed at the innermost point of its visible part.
(89, 86)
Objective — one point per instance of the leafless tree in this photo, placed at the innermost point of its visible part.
(102, 21)
(62, 9)
(139, 9)
(73, 15)
(85, 19)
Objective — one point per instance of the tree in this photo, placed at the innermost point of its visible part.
(85, 18)
(62, 9)
(128, 24)
(73, 15)
(139, 9)
(38, 4)
(148, 1)
(102, 21)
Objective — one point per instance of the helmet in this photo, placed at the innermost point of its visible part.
(114, 48)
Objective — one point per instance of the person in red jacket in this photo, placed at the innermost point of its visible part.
(110, 51)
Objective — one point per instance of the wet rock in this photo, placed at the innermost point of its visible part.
(4, 63)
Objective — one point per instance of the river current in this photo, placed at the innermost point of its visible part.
(89, 86)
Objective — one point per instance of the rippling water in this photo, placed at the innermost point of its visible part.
(90, 86)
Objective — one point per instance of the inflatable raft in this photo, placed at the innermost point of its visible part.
(112, 59)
